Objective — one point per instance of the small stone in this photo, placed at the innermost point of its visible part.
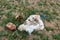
(11, 26)
(50, 31)
(18, 17)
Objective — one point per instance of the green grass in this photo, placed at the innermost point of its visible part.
(7, 8)
(49, 28)
(40, 3)
(50, 16)
(56, 36)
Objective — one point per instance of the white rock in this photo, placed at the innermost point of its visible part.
(32, 23)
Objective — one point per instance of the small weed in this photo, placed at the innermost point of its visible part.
(56, 36)
(24, 34)
(52, 4)
(40, 3)
(3, 33)
(55, 12)
(58, 18)
(49, 28)
(58, 4)
(36, 39)
(26, 3)
(48, 15)
(28, 12)
(36, 33)
(43, 36)
(57, 25)
(4, 22)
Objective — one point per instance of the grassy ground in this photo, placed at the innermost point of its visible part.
(9, 9)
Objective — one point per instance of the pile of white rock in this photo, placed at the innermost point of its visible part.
(32, 23)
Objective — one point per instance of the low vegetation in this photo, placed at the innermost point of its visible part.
(48, 10)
